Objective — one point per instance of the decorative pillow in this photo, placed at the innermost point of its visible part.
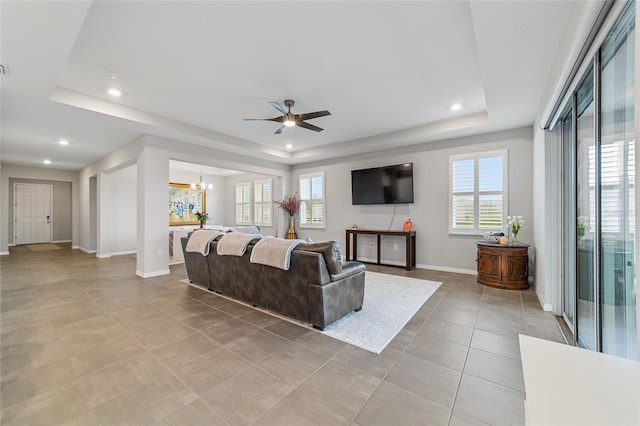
(330, 251)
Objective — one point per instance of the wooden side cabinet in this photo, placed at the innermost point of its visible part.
(503, 266)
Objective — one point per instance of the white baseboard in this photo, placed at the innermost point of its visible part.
(115, 253)
(386, 262)
(11, 245)
(86, 250)
(75, 247)
(422, 266)
(153, 274)
(448, 269)
(4, 253)
(60, 241)
(547, 307)
(121, 253)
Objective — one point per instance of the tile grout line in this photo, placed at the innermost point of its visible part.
(455, 396)
(397, 359)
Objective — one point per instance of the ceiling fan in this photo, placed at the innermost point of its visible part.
(288, 119)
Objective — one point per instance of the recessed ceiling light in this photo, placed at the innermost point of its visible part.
(63, 142)
(289, 146)
(46, 161)
(114, 92)
(112, 74)
(456, 107)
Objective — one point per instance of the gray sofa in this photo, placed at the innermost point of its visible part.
(318, 288)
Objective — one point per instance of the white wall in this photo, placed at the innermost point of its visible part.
(542, 247)
(435, 248)
(124, 210)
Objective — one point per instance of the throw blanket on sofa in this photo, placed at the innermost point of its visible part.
(235, 244)
(274, 252)
(200, 239)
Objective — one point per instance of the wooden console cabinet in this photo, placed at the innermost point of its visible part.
(503, 266)
(410, 245)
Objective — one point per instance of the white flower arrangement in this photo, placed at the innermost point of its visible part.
(515, 223)
(583, 223)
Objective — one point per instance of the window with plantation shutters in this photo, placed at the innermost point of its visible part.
(263, 202)
(478, 192)
(243, 203)
(615, 179)
(312, 208)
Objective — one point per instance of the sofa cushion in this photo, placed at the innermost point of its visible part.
(330, 251)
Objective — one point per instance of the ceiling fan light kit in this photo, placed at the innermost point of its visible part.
(289, 119)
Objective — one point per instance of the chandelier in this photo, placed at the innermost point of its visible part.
(202, 186)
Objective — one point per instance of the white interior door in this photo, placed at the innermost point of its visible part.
(32, 213)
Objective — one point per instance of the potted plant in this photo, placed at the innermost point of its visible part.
(202, 218)
(291, 205)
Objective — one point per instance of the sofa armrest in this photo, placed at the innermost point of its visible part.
(348, 269)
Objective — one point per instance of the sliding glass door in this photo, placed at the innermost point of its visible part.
(598, 172)
(585, 213)
(617, 192)
(568, 220)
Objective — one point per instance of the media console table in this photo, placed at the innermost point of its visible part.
(352, 241)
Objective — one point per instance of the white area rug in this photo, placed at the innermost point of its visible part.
(390, 302)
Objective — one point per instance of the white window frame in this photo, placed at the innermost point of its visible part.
(258, 185)
(476, 156)
(323, 200)
(248, 205)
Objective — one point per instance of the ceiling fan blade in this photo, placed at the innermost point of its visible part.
(276, 119)
(310, 115)
(308, 126)
(277, 106)
(277, 132)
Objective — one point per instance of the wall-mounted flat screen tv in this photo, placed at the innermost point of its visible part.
(382, 185)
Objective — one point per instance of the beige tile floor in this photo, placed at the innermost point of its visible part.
(84, 341)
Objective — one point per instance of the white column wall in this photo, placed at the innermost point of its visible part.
(105, 203)
(153, 240)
